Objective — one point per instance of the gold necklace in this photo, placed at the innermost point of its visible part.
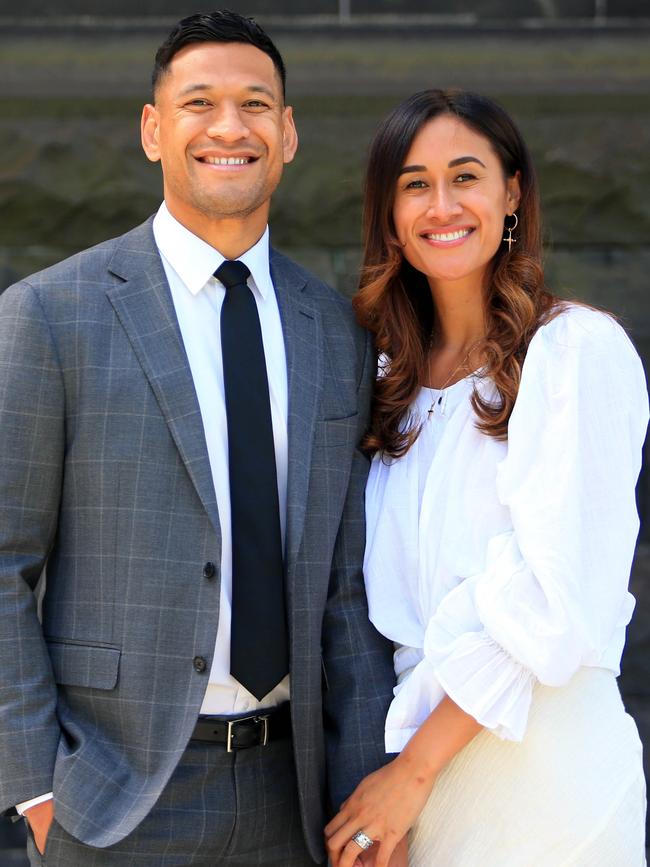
(458, 367)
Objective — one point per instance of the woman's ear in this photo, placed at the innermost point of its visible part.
(513, 192)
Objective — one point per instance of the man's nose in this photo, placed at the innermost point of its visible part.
(227, 124)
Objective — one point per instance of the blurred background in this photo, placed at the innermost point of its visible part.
(574, 73)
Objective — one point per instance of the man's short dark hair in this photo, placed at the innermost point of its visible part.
(220, 26)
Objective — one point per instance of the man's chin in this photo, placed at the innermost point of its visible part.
(226, 208)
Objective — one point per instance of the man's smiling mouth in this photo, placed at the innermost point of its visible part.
(226, 161)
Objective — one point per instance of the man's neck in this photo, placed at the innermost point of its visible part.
(232, 236)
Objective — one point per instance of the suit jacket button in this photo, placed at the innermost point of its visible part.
(200, 664)
(209, 570)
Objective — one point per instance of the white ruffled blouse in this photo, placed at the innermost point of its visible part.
(493, 565)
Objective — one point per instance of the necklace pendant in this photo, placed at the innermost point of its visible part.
(432, 408)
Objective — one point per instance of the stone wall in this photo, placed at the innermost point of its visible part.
(480, 9)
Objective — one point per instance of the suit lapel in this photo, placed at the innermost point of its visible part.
(145, 309)
(301, 323)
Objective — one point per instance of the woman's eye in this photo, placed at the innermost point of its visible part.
(465, 176)
(415, 185)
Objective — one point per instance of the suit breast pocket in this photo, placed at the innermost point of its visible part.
(339, 432)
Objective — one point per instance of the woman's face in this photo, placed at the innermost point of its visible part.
(451, 201)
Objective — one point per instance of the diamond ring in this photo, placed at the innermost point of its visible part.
(362, 840)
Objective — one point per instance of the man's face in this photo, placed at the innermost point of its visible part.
(221, 132)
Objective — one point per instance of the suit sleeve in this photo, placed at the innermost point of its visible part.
(357, 659)
(31, 461)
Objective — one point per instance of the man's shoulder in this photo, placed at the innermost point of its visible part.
(92, 265)
(318, 291)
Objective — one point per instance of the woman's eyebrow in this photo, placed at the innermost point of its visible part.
(406, 169)
(459, 161)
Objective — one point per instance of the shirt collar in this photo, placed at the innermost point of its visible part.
(195, 261)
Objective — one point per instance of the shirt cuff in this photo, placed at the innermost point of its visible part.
(33, 802)
(487, 683)
(473, 669)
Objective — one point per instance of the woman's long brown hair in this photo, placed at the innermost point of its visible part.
(394, 300)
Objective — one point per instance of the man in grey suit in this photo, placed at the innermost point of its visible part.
(127, 733)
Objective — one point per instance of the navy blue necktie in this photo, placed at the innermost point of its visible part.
(259, 657)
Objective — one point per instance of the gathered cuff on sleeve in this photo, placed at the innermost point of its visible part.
(473, 669)
(485, 682)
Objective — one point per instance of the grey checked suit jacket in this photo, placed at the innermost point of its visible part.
(105, 481)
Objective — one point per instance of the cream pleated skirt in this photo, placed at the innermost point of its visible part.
(572, 794)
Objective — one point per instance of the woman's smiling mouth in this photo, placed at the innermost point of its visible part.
(456, 235)
(450, 238)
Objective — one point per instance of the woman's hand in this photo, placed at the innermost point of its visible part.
(384, 806)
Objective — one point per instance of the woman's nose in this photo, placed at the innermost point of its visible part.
(443, 204)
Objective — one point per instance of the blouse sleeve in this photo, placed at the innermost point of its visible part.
(553, 592)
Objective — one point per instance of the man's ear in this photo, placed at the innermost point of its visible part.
(289, 135)
(150, 132)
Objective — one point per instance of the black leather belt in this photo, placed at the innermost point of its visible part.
(244, 732)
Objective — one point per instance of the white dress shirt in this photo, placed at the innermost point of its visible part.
(493, 565)
(189, 264)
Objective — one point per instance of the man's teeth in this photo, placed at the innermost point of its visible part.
(227, 161)
(448, 236)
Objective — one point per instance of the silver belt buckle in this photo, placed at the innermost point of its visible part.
(265, 720)
(229, 736)
(230, 733)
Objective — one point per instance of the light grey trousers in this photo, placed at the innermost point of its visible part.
(236, 809)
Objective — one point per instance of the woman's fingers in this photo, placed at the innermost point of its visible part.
(341, 846)
(351, 853)
(339, 840)
(382, 852)
(336, 823)
(385, 850)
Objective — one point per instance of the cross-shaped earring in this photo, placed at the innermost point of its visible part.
(510, 229)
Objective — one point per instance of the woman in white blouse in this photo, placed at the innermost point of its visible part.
(506, 433)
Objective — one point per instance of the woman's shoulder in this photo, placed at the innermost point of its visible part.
(580, 357)
(584, 350)
(576, 327)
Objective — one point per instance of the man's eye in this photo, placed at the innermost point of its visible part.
(255, 103)
(198, 102)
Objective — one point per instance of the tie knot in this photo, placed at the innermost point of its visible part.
(232, 273)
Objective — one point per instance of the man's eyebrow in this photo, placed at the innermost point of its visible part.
(262, 88)
(459, 161)
(191, 88)
(251, 88)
